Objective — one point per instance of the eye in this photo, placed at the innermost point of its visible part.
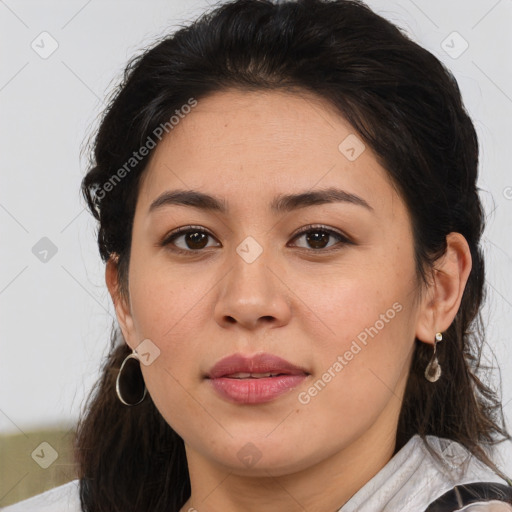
(317, 236)
(194, 237)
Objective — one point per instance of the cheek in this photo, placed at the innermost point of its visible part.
(367, 344)
(166, 300)
(171, 312)
(343, 302)
(361, 370)
(361, 329)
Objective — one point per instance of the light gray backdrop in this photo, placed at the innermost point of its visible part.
(59, 60)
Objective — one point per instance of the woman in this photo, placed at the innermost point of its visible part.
(288, 212)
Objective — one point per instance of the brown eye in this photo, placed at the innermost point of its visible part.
(196, 239)
(190, 239)
(319, 237)
(187, 239)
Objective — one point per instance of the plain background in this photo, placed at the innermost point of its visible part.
(56, 314)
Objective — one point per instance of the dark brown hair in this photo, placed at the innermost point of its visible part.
(402, 102)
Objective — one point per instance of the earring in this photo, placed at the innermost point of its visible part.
(130, 386)
(433, 371)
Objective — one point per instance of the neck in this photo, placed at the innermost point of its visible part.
(323, 487)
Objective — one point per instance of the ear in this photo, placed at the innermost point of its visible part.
(123, 310)
(442, 300)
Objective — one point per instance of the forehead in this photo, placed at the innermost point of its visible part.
(239, 145)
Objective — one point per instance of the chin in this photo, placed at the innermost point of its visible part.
(261, 457)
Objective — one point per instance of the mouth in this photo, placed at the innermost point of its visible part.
(245, 375)
(252, 380)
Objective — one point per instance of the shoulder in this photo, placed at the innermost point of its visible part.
(414, 478)
(64, 498)
(454, 463)
(456, 466)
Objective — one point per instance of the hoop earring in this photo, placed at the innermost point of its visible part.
(130, 386)
(433, 370)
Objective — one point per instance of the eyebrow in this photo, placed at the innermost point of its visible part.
(282, 203)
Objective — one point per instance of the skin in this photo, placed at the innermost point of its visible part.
(302, 302)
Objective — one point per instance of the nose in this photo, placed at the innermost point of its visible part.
(253, 294)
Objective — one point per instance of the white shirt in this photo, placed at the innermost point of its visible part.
(409, 482)
(413, 479)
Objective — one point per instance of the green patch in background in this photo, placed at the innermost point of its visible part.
(34, 462)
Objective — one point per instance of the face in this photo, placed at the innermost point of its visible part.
(326, 283)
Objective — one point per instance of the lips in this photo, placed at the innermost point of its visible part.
(238, 366)
(254, 380)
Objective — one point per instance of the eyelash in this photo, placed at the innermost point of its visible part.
(312, 228)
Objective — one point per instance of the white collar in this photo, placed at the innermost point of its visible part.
(413, 478)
